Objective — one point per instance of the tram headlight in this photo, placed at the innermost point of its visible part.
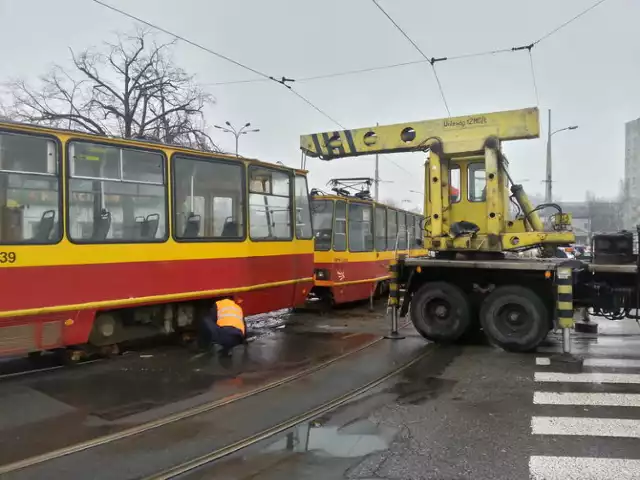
(321, 274)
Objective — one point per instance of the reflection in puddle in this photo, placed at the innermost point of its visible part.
(357, 439)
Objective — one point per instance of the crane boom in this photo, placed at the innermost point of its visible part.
(457, 135)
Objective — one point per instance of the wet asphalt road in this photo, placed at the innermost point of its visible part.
(474, 412)
(462, 412)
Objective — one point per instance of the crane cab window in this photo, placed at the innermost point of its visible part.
(29, 190)
(116, 194)
(360, 228)
(340, 227)
(208, 199)
(454, 184)
(304, 229)
(477, 187)
(269, 204)
(380, 226)
(322, 212)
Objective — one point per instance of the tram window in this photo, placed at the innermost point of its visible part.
(269, 204)
(410, 234)
(322, 211)
(208, 199)
(392, 229)
(304, 229)
(477, 183)
(360, 228)
(340, 227)
(454, 184)
(418, 231)
(380, 226)
(402, 231)
(116, 194)
(29, 190)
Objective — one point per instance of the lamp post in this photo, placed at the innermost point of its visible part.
(548, 193)
(236, 133)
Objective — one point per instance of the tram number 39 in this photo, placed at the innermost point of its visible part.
(8, 257)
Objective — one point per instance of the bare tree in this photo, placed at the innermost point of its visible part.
(133, 90)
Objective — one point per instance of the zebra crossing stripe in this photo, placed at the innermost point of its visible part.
(586, 426)
(594, 399)
(597, 377)
(582, 468)
(598, 362)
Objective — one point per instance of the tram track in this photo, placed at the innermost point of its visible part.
(178, 416)
(34, 371)
(205, 460)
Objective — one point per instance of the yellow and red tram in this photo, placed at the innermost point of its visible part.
(355, 241)
(104, 240)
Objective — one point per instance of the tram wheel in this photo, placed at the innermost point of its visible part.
(514, 318)
(107, 330)
(440, 312)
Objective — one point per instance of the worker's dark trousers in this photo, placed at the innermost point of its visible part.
(226, 337)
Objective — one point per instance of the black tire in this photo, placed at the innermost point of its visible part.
(514, 318)
(440, 312)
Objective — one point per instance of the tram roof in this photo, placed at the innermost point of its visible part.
(355, 199)
(149, 144)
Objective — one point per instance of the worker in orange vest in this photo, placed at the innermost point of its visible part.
(225, 326)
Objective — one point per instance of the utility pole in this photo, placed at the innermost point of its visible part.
(548, 193)
(548, 197)
(236, 133)
(377, 177)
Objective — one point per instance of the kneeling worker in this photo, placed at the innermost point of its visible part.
(225, 326)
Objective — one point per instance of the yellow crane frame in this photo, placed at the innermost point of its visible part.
(458, 142)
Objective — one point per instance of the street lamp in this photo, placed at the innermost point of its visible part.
(548, 194)
(236, 133)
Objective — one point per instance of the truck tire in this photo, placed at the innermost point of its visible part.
(514, 318)
(440, 312)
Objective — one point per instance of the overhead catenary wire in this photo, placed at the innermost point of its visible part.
(283, 81)
(533, 76)
(431, 60)
(414, 62)
(571, 20)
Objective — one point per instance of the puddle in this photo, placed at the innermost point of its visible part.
(308, 451)
(357, 439)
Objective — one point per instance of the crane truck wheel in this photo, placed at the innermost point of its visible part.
(440, 312)
(514, 318)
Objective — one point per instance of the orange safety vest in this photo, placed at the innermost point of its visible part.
(230, 315)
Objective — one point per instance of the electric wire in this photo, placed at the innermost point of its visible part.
(571, 20)
(533, 76)
(431, 61)
(283, 81)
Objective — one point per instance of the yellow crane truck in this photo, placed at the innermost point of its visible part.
(477, 224)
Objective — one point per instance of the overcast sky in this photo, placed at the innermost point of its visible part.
(588, 73)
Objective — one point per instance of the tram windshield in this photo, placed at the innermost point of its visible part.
(322, 212)
(29, 190)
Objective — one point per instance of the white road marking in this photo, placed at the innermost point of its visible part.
(595, 399)
(587, 377)
(612, 362)
(597, 427)
(543, 361)
(582, 468)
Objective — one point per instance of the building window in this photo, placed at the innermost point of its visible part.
(116, 194)
(208, 199)
(380, 226)
(360, 228)
(340, 227)
(477, 188)
(322, 211)
(29, 190)
(269, 204)
(304, 229)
